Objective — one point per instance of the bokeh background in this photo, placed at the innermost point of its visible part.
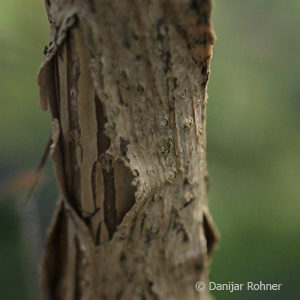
(253, 146)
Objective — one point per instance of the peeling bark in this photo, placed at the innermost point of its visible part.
(126, 85)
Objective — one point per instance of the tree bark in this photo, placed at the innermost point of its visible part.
(126, 85)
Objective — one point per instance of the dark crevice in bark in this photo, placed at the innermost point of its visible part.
(98, 234)
(73, 74)
(103, 142)
(77, 291)
(110, 213)
(119, 194)
(125, 191)
(53, 101)
(94, 184)
(123, 147)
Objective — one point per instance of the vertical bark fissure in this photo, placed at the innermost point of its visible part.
(73, 73)
(110, 213)
(78, 257)
(103, 142)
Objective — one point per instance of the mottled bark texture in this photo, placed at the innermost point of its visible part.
(125, 82)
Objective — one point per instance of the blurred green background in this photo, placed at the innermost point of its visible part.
(253, 146)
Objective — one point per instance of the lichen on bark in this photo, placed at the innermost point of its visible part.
(126, 85)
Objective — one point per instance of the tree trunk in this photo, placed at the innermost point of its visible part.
(126, 85)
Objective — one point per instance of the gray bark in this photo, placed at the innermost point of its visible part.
(126, 85)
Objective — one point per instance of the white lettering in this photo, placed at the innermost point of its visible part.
(263, 286)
